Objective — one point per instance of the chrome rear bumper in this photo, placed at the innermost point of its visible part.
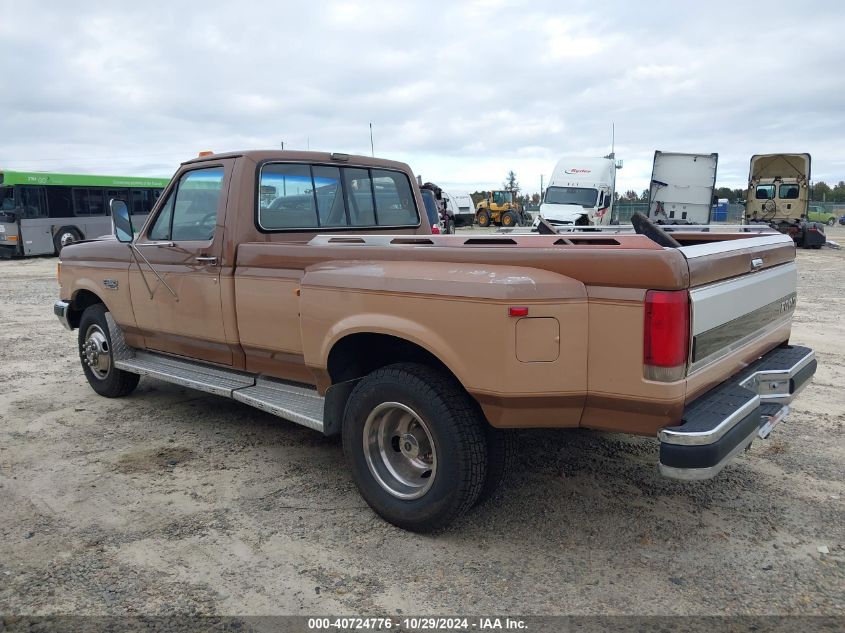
(725, 420)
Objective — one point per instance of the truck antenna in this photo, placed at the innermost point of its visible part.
(612, 139)
(372, 150)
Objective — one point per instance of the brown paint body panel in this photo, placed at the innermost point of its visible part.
(719, 266)
(276, 304)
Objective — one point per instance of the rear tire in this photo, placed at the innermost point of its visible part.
(415, 445)
(483, 218)
(501, 457)
(95, 353)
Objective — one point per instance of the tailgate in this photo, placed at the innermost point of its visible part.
(741, 291)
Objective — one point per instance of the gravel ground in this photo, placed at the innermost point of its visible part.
(171, 501)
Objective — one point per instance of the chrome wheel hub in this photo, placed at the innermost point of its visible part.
(399, 450)
(67, 238)
(96, 353)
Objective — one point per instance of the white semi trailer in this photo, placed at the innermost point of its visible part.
(681, 190)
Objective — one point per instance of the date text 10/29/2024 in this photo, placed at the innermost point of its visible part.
(416, 624)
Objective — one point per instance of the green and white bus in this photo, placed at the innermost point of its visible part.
(40, 213)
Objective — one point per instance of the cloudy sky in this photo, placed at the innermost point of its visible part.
(463, 91)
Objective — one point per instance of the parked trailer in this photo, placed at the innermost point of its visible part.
(460, 207)
(681, 190)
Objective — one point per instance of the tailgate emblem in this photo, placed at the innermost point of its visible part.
(788, 304)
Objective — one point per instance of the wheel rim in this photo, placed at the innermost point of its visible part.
(507, 220)
(67, 238)
(96, 353)
(399, 450)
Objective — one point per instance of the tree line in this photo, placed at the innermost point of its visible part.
(821, 192)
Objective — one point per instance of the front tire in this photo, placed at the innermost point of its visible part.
(483, 218)
(95, 353)
(414, 442)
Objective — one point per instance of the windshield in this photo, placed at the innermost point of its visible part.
(571, 195)
(7, 199)
(430, 206)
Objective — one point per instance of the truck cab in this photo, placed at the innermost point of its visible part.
(580, 192)
(779, 195)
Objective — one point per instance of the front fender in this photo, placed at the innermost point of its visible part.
(107, 279)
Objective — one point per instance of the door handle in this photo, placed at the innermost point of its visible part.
(206, 259)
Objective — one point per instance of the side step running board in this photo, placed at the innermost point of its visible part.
(221, 382)
(298, 403)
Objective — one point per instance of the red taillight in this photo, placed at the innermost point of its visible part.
(435, 230)
(666, 334)
(518, 311)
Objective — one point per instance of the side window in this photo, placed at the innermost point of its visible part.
(116, 194)
(143, 200)
(190, 213)
(286, 197)
(359, 197)
(394, 200)
(138, 202)
(327, 190)
(89, 202)
(33, 202)
(59, 202)
(161, 227)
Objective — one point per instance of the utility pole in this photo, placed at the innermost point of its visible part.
(541, 187)
(283, 145)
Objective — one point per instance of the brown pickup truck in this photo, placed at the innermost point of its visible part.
(305, 284)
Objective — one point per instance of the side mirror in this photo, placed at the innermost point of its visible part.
(121, 221)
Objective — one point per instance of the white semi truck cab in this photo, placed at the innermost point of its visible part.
(580, 192)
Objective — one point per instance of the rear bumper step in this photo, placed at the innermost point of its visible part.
(726, 419)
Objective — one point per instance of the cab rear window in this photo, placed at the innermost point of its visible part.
(313, 197)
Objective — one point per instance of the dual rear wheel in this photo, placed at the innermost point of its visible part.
(418, 447)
